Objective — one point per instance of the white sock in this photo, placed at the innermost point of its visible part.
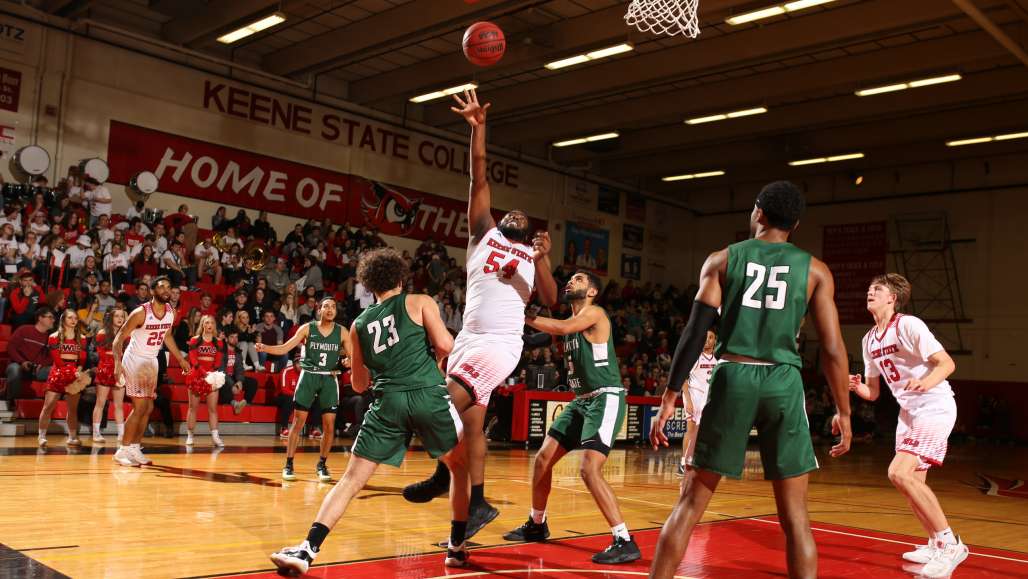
(121, 430)
(135, 446)
(946, 537)
(538, 517)
(683, 460)
(214, 433)
(96, 428)
(621, 531)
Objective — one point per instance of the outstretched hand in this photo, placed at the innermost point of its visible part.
(472, 112)
(541, 245)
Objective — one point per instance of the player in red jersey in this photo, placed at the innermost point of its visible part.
(68, 349)
(901, 351)
(114, 319)
(205, 354)
(149, 326)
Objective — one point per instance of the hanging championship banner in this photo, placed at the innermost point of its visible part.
(855, 253)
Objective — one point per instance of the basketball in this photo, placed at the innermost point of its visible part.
(484, 44)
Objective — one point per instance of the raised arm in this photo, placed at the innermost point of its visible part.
(480, 217)
(359, 376)
(545, 285)
(293, 342)
(833, 350)
(586, 319)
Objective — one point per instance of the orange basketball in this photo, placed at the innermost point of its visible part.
(484, 44)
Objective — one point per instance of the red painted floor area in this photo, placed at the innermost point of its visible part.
(725, 549)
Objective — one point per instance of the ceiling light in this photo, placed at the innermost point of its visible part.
(692, 176)
(724, 116)
(830, 159)
(591, 139)
(1011, 136)
(775, 10)
(253, 28)
(589, 56)
(973, 141)
(905, 85)
(443, 93)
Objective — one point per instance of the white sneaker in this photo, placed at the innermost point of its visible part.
(42, 439)
(945, 560)
(138, 456)
(296, 559)
(189, 439)
(73, 441)
(922, 554)
(216, 438)
(97, 437)
(123, 457)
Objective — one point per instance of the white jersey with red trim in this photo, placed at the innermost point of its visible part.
(699, 377)
(147, 339)
(901, 354)
(501, 277)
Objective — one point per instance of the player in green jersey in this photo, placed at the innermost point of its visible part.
(763, 287)
(391, 342)
(590, 422)
(325, 344)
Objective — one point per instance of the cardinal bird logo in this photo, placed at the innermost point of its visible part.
(1002, 487)
(389, 210)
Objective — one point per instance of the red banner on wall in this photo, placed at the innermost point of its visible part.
(855, 253)
(220, 174)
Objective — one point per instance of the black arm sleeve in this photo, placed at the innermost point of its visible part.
(537, 340)
(702, 318)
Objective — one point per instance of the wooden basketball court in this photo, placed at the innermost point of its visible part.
(197, 513)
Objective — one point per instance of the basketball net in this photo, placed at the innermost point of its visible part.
(668, 17)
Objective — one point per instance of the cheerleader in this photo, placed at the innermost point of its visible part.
(205, 352)
(114, 319)
(68, 349)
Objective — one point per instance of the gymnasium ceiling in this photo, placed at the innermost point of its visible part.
(804, 67)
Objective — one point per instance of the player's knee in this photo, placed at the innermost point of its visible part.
(901, 478)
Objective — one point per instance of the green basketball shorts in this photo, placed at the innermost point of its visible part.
(591, 423)
(769, 397)
(321, 387)
(427, 412)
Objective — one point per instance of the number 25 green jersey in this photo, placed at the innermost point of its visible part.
(763, 302)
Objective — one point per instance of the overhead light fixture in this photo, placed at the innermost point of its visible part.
(590, 56)
(830, 159)
(911, 84)
(692, 176)
(776, 10)
(443, 93)
(253, 28)
(978, 140)
(725, 116)
(590, 139)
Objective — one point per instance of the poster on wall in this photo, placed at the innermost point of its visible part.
(220, 174)
(579, 194)
(632, 236)
(10, 89)
(631, 266)
(855, 252)
(635, 207)
(609, 200)
(586, 247)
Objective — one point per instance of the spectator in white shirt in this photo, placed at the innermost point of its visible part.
(364, 297)
(78, 252)
(8, 245)
(231, 239)
(99, 199)
(29, 250)
(104, 231)
(160, 244)
(38, 225)
(208, 260)
(133, 212)
(116, 265)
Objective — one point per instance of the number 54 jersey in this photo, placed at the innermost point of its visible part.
(901, 354)
(501, 277)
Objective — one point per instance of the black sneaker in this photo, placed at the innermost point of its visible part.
(620, 551)
(294, 560)
(287, 472)
(478, 517)
(457, 556)
(681, 470)
(426, 490)
(323, 474)
(529, 532)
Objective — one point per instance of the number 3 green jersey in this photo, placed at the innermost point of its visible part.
(395, 349)
(764, 301)
(321, 353)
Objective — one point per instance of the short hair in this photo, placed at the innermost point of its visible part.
(897, 284)
(43, 311)
(324, 299)
(594, 280)
(381, 270)
(158, 280)
(782, 204)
